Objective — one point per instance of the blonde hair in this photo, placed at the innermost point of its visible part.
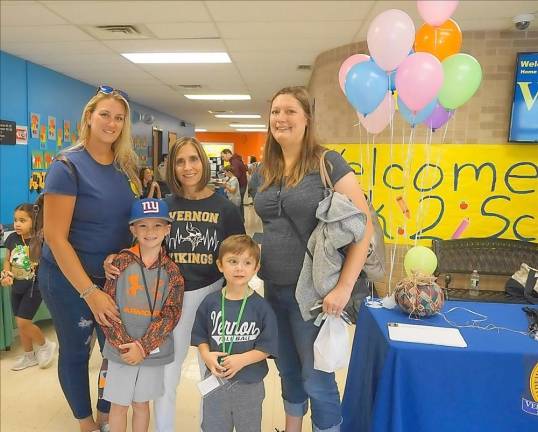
(124, 155)
(175, 184)
(237, 244)
(272, 169)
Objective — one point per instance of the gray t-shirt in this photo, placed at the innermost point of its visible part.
(282, 252)
(257, 330)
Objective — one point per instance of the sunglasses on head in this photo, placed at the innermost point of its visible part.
(110, 90)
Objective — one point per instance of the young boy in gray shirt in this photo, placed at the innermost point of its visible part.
(235, 331)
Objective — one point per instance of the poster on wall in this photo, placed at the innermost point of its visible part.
(524, 117)
(213, 149)
(22, 135)
(67, 131)
(34, 125)
(37, 160)
(52, 128)
(47, 159)
(43, 137)
(59, 138)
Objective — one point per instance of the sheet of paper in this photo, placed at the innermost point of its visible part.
(426, 335)
(208, 385)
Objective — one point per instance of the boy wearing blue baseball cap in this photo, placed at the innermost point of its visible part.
(149, 294)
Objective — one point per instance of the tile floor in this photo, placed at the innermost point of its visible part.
(32, 400)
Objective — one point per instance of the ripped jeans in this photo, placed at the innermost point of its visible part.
(75, 325)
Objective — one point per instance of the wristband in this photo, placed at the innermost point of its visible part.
(88, 291)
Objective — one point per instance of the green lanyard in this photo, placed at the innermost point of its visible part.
(223, 320)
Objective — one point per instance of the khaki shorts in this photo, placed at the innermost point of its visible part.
(126, 384)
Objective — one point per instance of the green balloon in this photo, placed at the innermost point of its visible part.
(462, 74)
(420, 259)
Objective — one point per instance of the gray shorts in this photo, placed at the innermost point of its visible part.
(126, 384)
(234, 404)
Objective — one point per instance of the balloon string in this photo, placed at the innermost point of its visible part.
(391, 206)
(446, 127)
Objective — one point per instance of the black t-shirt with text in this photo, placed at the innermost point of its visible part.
(198, 229)
(257, 330)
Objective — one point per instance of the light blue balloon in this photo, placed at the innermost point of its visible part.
(392, 81)
(366, 86)
(415, 118)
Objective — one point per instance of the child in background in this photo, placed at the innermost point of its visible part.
(235, 330)
(20, 273)
(149, 295)
(231, 186)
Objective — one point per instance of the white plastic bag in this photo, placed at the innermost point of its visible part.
(331, 347)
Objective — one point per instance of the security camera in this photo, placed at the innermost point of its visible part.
(523, 21)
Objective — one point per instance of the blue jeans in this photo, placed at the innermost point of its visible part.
(74, 324)
(295, 362)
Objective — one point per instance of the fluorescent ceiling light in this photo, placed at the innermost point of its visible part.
(250, 130)
(221, 97)
(181, 57)
(200, 130)
(241, 125)
(238, 116)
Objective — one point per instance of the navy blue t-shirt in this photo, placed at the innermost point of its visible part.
(257, 330)
(100, 224)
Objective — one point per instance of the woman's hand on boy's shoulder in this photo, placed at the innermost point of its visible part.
(111, 271)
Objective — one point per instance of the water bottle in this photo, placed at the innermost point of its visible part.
(475, 280)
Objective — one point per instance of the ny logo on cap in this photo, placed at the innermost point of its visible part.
(150, 207)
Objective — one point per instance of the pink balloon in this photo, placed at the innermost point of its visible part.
(418, 80)
(378, 119)
(390, 38)
(347, 65)
(436, 12)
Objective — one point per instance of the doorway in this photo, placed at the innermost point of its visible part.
(157, 141)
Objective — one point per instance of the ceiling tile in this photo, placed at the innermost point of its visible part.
(29, 13)
(129, 12)
(60, 33)
(278, 11)
(183, 30)
(283, 31)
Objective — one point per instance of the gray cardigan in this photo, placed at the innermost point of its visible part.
(340, 223)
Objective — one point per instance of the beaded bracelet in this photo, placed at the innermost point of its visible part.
(88, 291)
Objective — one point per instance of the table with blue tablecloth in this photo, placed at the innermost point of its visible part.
(490, 386)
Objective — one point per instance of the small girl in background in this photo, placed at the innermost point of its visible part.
(150, 188)
(20, 273)
(231, 186)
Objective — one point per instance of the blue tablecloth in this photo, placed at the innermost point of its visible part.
(408, 387)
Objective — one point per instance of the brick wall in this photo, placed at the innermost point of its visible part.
(484, 119)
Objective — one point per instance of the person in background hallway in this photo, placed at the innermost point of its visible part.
(252, 164)
(240, 171)
(201, 220)
(160, 176)
(231, 185)
(19, 272)
(86, 212)
(150, 188)
(289, 181)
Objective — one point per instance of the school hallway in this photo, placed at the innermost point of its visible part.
(32, 399)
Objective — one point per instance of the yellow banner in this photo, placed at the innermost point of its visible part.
(424, 192)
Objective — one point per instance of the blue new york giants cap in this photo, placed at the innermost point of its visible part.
(149, 208)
